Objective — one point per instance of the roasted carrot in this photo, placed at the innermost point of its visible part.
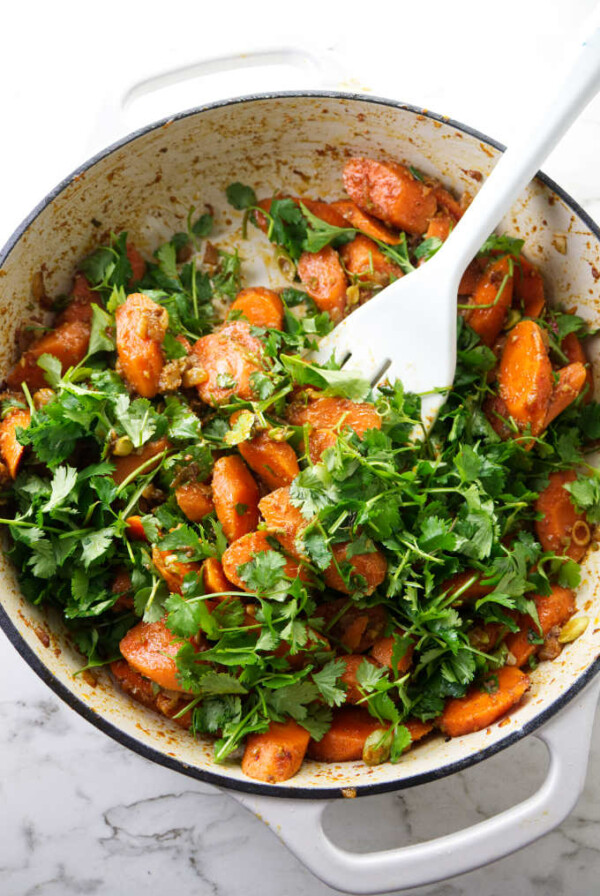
(326, 211)
(277, 754)
(82, 299)
(493, 293)
(366, 223)
(235, 496)
(275, 462)
(553, 609)
(225, 361)
(141, 327)
(125, 466)
(138, 265)
(173, 570)
(471, 277)
(135, 528)
(259, 306)
(480, 708)
(325, 281)
(334, 413)
(150, 648)
(439, 227)
(245, 549)
(121, 585)
(574, 350)
(345, 739)
(348, 678)
(68, 342)
(364, 261)
(280, 514)
(195, 500)
(133, 683)
(417, 729)
(572, 380)
(371, 567)
(448, 203)
(357, 629)
(382, 651)
(497, 413)
(319, 440)
(561, 528)
(11, 449)
(215, 580)
(390, 192)
(529, 288)
(525, 376)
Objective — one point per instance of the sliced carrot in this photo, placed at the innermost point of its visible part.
(11, 449)
(215, 580)
(228, 358)
(173, 570)
(348, 677)
(478, 709)
(326, 211)
(572, 380)
(553, 609)
(247, 548)
(494, 289)
(277, 754)
(334, 413)
(275, 462)
(417, 729)
(138, 265)
(125, 466)
(122, 586)
(365, 261)
(141, 328)
(261, 307)
(325, 281)
(440, 227)
(364, 222)
(370, 567)
(471, 277)
(391, 193)
(344, 742)
(82, 299)
(525, 376)
(130, 680)
(575, 352)
(195, 500)
(135, 528)
(497, 413)
(529, 288)
(68, 342)
(561, 529)
(357, 629)
(150, 648)
(319, 440)
(280, 514)
(446, 201)
(236, 496)
(382, 651)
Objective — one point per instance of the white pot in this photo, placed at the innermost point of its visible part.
(146, 184)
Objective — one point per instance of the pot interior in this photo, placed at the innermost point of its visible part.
(295, 143)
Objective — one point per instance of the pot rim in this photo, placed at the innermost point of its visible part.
(215, 777)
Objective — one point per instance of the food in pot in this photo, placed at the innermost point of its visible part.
(256, 546)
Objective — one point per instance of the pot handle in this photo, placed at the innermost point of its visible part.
(299, 822)
(318, 67)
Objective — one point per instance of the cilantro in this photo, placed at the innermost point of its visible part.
(240, 196)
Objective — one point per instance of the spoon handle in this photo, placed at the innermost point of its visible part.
(521, 161)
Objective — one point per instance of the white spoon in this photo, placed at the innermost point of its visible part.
(410, 327)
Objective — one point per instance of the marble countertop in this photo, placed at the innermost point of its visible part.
(78, 812)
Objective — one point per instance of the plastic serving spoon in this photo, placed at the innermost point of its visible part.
(408, 331)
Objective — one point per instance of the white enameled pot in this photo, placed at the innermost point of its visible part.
(145, 184)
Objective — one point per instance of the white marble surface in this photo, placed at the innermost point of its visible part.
(79, 813)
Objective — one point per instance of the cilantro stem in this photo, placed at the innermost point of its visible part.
(157, 459)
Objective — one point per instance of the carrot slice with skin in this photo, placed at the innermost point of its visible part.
(348, 677)
(125, 466)
(228, 358)
(560, 521)
(324, 280)
(277, 754)
(390, 192)
(493, 293)
(68, 342)
(247, 548)
(235, 495)
(575, 352)
(275, 462)
(215, 580)
(344, 742)
(553, 609)
(439, 227)
(150, 648)
(10, 448)
(280, 514)
(369, 225)
(478, 709)
(382, 651)
(195, 500)
(141, 327)
(173, 570)
(529, 287)
(135, 528)
(334, 413)
(135, 259)
(571, 382)
(366, 262)
(525, 376)
(371, 567)
(357, 629)
(261, 307)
